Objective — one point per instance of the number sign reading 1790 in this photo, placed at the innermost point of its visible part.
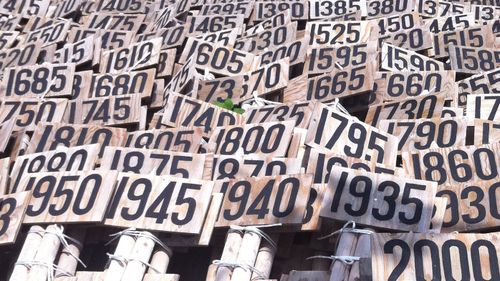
(161, 203)
(362, 196)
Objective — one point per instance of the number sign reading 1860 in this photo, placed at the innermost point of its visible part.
(264, 200)
(12, 209)
(361, 196)
(161, 203)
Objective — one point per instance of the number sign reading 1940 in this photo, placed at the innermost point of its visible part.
(361, 196)
(264, 200)
(160, 203)
(240, 166)
(485, 107)
(420, 256)
(333, 131)
(175, 140)
(68, 196)
(396, 59)
(271, 139)
(299, 111)
(12, 209)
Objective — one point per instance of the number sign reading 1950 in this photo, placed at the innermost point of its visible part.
(68, 196)
(299, 111)
(240, 166)
(349, 32)
(396, 59)
(271, 138)
(161, 203)
(136, 56)
(361, 196)
(485, 107)
(333, 131)
(175, 140)
(12, 209)
(264, 200)
(419, 256)
(486, 131)
(455, 165)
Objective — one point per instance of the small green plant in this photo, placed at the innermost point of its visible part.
(229, 105)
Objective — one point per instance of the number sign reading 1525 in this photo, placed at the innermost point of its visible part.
(362, 196)
(264, 200)
(330, 33)
(161, 203)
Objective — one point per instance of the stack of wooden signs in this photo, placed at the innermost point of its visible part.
(239, 140)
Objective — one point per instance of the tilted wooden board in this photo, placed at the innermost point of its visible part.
(12, 209)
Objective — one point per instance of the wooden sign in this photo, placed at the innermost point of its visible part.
(175, 140)
(131, 82)
(111, 21)
(408, 208)
(483, 83)
(6, 130)
(9, 23)
(203, 24)
(299, 10)
(46, 80)
(121, 6)
(182, 82)
(486, 132)
(110, 39)
(241, 166)
(80, 52)
(12, 209)
(29, 112)
(222, 60)
(484, 12)
(425, 106)
(396, 59)
(172, 36)
(411, 256)
(395, 23)
(162, 18)
(230, 8)
(137, 56)
(474, 60)
(428, 8)
(484, 107)
(160, 203)
(68, 196)
(7, 38)
(325, 9)
(281, 18)
(226, 38)
(49, 136)
(269, 38)
(24, 7)
(470, 37)
(414, 39)
(452, 112)
(111, 110)
(449, 23)
(379, 8)
(320, 164)
(421, 134)
(20, 56)
(334, 131)
(323, 59)
(79, 158)
(186, 112)
(331, 33)
(299, 111)
(455, 165)
(295, 51)
(271, 139)
(310, 275)
(157, 162)
(49, 35)
(64, 8)
(263, 200)
(453, 8)
(166, 62)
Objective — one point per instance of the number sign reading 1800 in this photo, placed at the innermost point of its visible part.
(157, 162)
(264, 200)
(68, 196)
(474, 60)
(161, 203)
(240, 166)
(419, 256)
(175, 140)
(271, 138)
(349, 32)
(299, 111)
(485, 107)
(29, 112)
(333, 131)
(456, 165)
(361, 196)
(396, 59)
(12, 209)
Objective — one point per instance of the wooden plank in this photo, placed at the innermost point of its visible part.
(483, 83)
(136, 56)
(52, 34)
(349, 32)
(172, 36)
(183, 81)
(7, 38)
(477, 37)
(121, 6)
(261, 200)
(12, 209)
(299, 111)
(397, 59)
(9, 23)
(401, 256)
(409, 208)
(296, 275)
(280, 18)
(483, 107)
(79, 53)
(110, 39)
(438, 213)
(474, 60)
(68, 196)
(294, 50)
(486, 131)
(235, 8)
(6, 130)
(175, 140)
(4, 175)
(449, 23)
(222, 60)
(240, 166)
(64, 8)
(160, 203)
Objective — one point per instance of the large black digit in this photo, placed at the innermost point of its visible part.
(419, 259)
(462, 256)
(136, 194)
(366, 182)
(78, 209)
(389, 247)
(282, 190)
(5, 217)
(476, 260)
(390, 199)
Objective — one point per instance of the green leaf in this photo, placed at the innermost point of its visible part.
(239, 110)
(228, 104)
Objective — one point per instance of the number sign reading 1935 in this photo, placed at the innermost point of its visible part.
(474, 60)
(136, 56)
(240, 166)
(175, 140)
(299, 9)
(80, 158)
(157, 162)
(483, 83)
(299, 111)
(12, 209)
(264, 200)
(415, 256)
(161, 203)
(485, 107)
(333, 131)
(349, 32)
(486, 131)
(396, 59)
(130, 82)
(408, 208)
(271, 139)
(423, 134)
(455, 165)
(186, 112)
(68, 196)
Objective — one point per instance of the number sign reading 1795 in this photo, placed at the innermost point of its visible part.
(161, 203)
(362, 196)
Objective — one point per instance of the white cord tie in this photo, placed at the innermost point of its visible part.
(348, 229)
(233, 265)
(256, 230)
(135, 233)
(345, 259)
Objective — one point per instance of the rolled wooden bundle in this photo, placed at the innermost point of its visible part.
(246, 256)
(265, 257)
(229, 253)
(363, 250)
(117, 265)
(345, 247)
(47, 252)
(27, 253)
(139, 258)
(160, 260)
(68, 260)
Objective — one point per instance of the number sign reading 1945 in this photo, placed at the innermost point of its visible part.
(333, 131)
(160, 203)
(419, 256)
(240, 166)
(349, 32)
(175, 140)
(271, 138)
(12, 209)
(396, 59)
(483, 83)
(136, 56)
(455, 165)
(474, 60)
(68, 196)
(264, 200)
(486, 131)
(485, 107)
(299, 111)
(408, 208)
